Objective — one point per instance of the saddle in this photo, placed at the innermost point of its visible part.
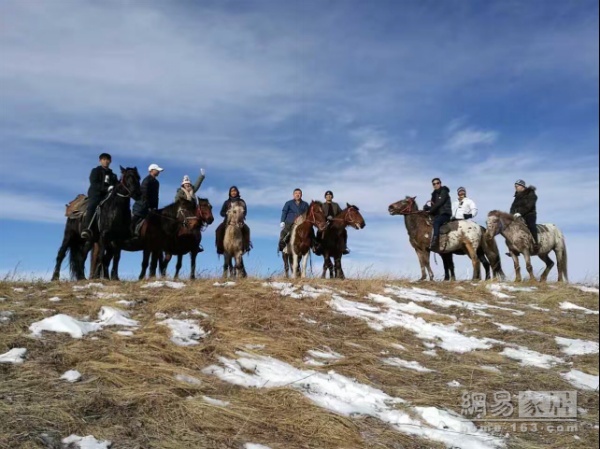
(449, 227)
(76, 208)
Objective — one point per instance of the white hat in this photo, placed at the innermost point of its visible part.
(186, 180)
(155, 167)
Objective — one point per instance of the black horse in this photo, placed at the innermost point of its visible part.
(113, 224)
(76, 247)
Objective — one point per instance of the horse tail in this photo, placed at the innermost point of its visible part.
(492, 252)
(561, 255)
(77, 252)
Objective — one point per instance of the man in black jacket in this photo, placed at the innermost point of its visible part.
(440, 209)
(102, 181)
(150, 188)
(331, 210)
(525, 206)
(234, 198)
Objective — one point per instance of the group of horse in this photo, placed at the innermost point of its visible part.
(176, 230)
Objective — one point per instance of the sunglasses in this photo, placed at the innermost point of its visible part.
(437, 183)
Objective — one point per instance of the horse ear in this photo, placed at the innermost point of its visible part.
(348, 205)
(122, 169)
(414, 198)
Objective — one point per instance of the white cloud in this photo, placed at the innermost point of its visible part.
(470, 138)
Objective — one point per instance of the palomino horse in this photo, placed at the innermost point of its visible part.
(334, 240)
(189, 242)
(302, 237)
(520, 241)
(466, 239)
(233, 243)
(160, 229)
(112, 225)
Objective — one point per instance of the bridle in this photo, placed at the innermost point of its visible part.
(122, 184)
(237, 224)
(311, 216)
(408, 209)
(186, 218)
(199, 209)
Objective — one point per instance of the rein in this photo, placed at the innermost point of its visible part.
(408, 209)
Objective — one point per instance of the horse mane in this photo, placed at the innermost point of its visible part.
(502, 215)
(352, 206)
(172, 209)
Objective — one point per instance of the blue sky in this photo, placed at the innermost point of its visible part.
(368, 99)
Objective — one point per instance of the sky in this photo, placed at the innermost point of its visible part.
(369, 99)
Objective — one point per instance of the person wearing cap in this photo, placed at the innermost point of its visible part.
(291, 210)
(440, 210)
(331, 210)
(102, 181)
(234, 198)
(464, 208)
(525, 206)
(150, 188)
(187, 191)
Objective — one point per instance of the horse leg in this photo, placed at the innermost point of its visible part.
(145, 261)
(446, 261)
(474, 260)
(193, 255)
(422, 263)
(529, 266)
(239, 266)
(62, 253)
(226, 262)
(338, 268)
(484, 261)
(286, 265)
(549, 265)
(114, 275)
(153, 264)
(305, 264)
(178, 266)
(515, 258)
(295, 262)
(94, 262)
(164, 264)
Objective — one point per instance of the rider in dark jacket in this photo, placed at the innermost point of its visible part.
(440, 209)
(102, 181)
(150, 188)
(234, 198)
(525, 206)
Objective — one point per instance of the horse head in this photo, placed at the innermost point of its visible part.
(404, 207)
(235, 216)
(186, 216)
(204, 211)
(130, 182)
(316, 216)
(496, 222)
(353, 217)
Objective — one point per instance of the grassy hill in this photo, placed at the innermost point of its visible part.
(353, 365)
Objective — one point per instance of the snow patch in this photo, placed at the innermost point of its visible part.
(71, 376)
(578, 347)
(527, 357)
(168, 284)
(570, 306)
(581, 380)
(216, 402)
(16, 356)
(187, 379)
(88, 442)
(62, 323)
(184, 332)
(87, 286)
(399, 363)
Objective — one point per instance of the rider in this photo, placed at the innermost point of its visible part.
(440, 209)
(149, 201)
(291, 210)
(464, 208)
(102, 181)
(187, 191)
(525, 206)
(234, 198)
(331, 210)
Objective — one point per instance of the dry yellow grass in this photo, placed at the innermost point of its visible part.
(129, 393)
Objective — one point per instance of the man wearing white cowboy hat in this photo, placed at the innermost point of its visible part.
(464, 208)
(150, 188)
(187, 191)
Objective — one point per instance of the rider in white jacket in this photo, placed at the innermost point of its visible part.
(464, 208)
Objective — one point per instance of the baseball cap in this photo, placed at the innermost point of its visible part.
(155, 167)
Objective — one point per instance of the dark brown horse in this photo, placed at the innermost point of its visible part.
(189, 242)
(302, 238)
(159, 231)
(75, 246)
(466, 239)
(334, 240)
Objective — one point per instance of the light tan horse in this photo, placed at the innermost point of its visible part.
(233, 243)
(520, 241)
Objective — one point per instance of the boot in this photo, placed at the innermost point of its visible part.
(200, 248)
(282, 245)
(346, 252)
(536, 248)
(435, 241)
(86, 234)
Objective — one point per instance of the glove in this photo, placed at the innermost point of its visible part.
(518, 215)
(329, 218)
(202, 172)
(468, 216)
(282, 225)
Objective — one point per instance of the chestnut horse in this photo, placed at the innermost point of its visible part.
(466, 239)
(189, 242)
(302, 237)
(334, 240)
(520, 241)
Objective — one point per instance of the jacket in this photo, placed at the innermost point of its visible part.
(100, 180)
(331, 210)
(232, 200)
(525, 203)
(464, 210)
(180, 194)
(292, 210)
(149, 200)
(441, 204)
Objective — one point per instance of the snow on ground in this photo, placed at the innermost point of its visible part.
(184, 332)
(187, 379)
(224, 284)
(14, 356)
(538, 308)
(491, 369)
(88, 442)
(215, 402)
(527, 357)
(255, 446)
(347, 397)
(105, 295)
(87, 286)
(55, 299)
(125, 303)
(446, 336)
(71, 376)
(399, 363)
(586, 289)
(432, 297)
(581, 380)
(125, 333)
(454, 384)
(64, 324)
(570, 306)
(109, 316)
(510, 288)
(5, 316)
(295, 292)
(507, 327)
(168, 284)
(412, 308)
(577, 347)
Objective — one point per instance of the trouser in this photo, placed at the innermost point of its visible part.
(438, 222)
(93, 203)
(220, 238)
(284, 235)
(531, 221)
(135, 221)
